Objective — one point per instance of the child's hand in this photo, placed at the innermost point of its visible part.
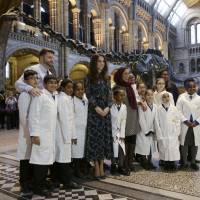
(35, 92)
(35, 140)
(144, 106)
(188, 123)
(74, 141)
(121, 139)
(106, 111)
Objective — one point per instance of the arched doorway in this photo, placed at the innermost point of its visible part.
(17, 62)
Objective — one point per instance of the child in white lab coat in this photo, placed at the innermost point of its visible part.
(148, 121)
(24, 140)
(168, 136)
(80, 115)
(42, 125)
(65, 135)
(118, 117)
(160, 90)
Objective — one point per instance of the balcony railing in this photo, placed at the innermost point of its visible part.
(36, 40)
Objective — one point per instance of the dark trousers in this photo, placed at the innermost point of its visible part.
(120, 161)
(39, 177)
(2, 119)
(189, 144)
(63, 172)
(25, 173)
(10, 120)
(130, 149)
(184, 153)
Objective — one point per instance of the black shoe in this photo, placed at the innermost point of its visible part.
(184, 167)
(132, 168)
(25, 191)
(194, 166)
(97, 178)
(151, 166)
(113, 169)
(45, 193)
(161, 163)
(125, 172)
(72, 185)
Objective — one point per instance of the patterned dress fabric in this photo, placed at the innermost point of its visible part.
(99, 130)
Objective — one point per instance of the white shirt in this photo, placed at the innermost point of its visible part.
(21, 86)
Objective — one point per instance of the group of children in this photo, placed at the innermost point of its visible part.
(53, 129)
(170, 130)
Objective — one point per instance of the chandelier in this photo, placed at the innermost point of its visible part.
(125, 2)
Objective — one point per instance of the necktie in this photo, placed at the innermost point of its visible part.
(47, 72)
(53, 97)
(166, 108)
(118, 107)
(150, 106)
(191, 118)
(190, 97)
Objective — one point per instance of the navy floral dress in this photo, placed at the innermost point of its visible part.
(99, 131)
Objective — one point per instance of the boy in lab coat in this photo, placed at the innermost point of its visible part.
(118, 117)
(168, 136)
(24, 140)
(42, 127)
(189, 106)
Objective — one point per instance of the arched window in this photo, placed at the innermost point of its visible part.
(92, 39)
(198, 33)
(192, 34)
(181, 68)
(194, 31)
(192, 65)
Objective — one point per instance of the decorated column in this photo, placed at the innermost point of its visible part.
(111, 37)
(37, 9)
(125, 41)
(97, 31)
(76, 12)
(53, 14)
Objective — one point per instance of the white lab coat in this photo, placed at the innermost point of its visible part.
(42, 123)
(65, 128)
(188, 107)
(148, 122)
(24, 139)
(158, 97)
(118, 118)
(168, 136)
(21, 86)
(80, 113)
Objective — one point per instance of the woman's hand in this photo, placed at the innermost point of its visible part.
(106, 111)
(35, 140)
(99, 111)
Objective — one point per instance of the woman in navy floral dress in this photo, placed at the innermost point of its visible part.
(99, 132)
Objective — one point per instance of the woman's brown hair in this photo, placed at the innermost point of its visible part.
(94, 75)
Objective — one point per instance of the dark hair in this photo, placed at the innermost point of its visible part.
(159, 75)
(186, 82)
(63, 84)
(93, 69)
(47, 78)
(116, 89)
(28, 73)
(45, 51)
(76, 85)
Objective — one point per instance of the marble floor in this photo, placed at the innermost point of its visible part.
(146, 185)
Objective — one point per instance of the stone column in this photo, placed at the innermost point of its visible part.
(134, 34)
(165, 49)
(53, 14)
(65, 17)
(111, 38)
(125, 41)
(37, 9)
(97, 31)
(88, 28)
(76, 12)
